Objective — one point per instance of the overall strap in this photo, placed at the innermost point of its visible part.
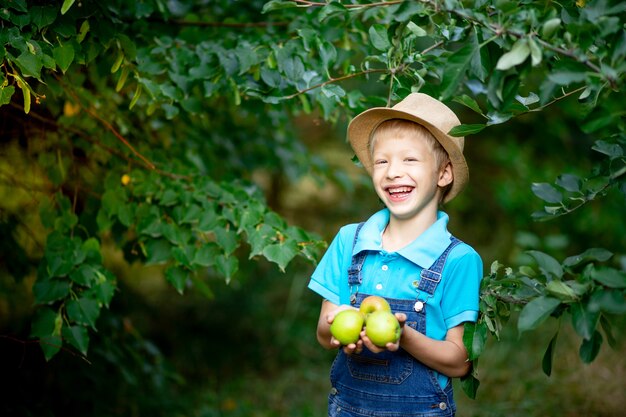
(354, 271)
(429, 278)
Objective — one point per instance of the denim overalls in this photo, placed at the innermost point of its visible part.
(390, 384)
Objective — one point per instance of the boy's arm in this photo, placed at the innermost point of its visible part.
(327, 314)
(447, 356)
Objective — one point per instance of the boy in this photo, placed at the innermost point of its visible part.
(405, 254)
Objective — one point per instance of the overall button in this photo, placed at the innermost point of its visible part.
(385, 267)
(443, 406)
(379, 286)
(333, 391)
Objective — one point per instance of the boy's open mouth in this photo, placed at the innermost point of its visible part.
(399, 193)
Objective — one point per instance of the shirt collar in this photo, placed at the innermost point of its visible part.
(423, 251)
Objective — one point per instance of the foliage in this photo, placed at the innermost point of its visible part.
(145, 124)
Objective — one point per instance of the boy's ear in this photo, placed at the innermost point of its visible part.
(446, 176)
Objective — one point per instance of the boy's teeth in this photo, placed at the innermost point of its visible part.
(400, 190)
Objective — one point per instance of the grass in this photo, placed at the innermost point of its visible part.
(512, 384)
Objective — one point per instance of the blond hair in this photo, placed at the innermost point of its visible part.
(402, 128)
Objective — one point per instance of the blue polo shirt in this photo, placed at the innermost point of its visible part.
(391, 274)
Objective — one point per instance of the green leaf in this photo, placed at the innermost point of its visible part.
(281, 253)
(470, 384)
(608, 332)
(474, 339)
(468, 101)
(227, 266)
(103, 291)
(44, 326)
(158, 251)
(531, 99)
(535, 52)
(415, 30)
(547, 264)
(549, 27)
(260, 238)
(206, 255)
(50, 290)
(464, 130)
(547, 192)
(536, 312)
(78, 337)
(5, 94)
(379, 38)
(609, 277)
(64, 56)
(66, 6)
(292, 67)
(590, 348)
(43, 16)
(84, 29)
(518, 54)
(19, 5)
(92, 251)
(333, 91)
(83, 311)
(177, 277)
(30, 64)
(612, 150)
(584, 320)
(177, 234)
(569, 182)
(567, 77)
(548, 356)
(44, 322)
(608, 301)
(84, 275)
(561, 290)
(278, 5)
(226, 239)
(456, 66)
(328, 53)
(50, 345)
(332, 9)
(592, 254)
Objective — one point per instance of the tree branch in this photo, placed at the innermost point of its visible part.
(305, 3)
(334, 80)
(565, 95)
(191, 23)
(106, 124)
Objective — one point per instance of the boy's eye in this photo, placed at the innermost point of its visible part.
(380, 161)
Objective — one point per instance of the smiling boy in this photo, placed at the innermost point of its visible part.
(405, 254)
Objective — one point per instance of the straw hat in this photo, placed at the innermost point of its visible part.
(424, 110)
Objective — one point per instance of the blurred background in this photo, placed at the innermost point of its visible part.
(247, 347)
(251, 350)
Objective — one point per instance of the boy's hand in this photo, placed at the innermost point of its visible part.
(389, 346)
(350, 348)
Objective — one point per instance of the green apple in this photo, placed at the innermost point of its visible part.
(373, 303)
(347, 325)
(382, 327)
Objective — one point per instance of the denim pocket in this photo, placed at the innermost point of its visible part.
(385, 367)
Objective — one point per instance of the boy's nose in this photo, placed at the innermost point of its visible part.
(394, 170)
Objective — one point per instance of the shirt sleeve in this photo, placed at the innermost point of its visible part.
(462, 288)
(330, 277)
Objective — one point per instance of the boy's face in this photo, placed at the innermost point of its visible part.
(406, 176)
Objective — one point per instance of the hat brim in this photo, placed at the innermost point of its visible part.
(362, 126)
